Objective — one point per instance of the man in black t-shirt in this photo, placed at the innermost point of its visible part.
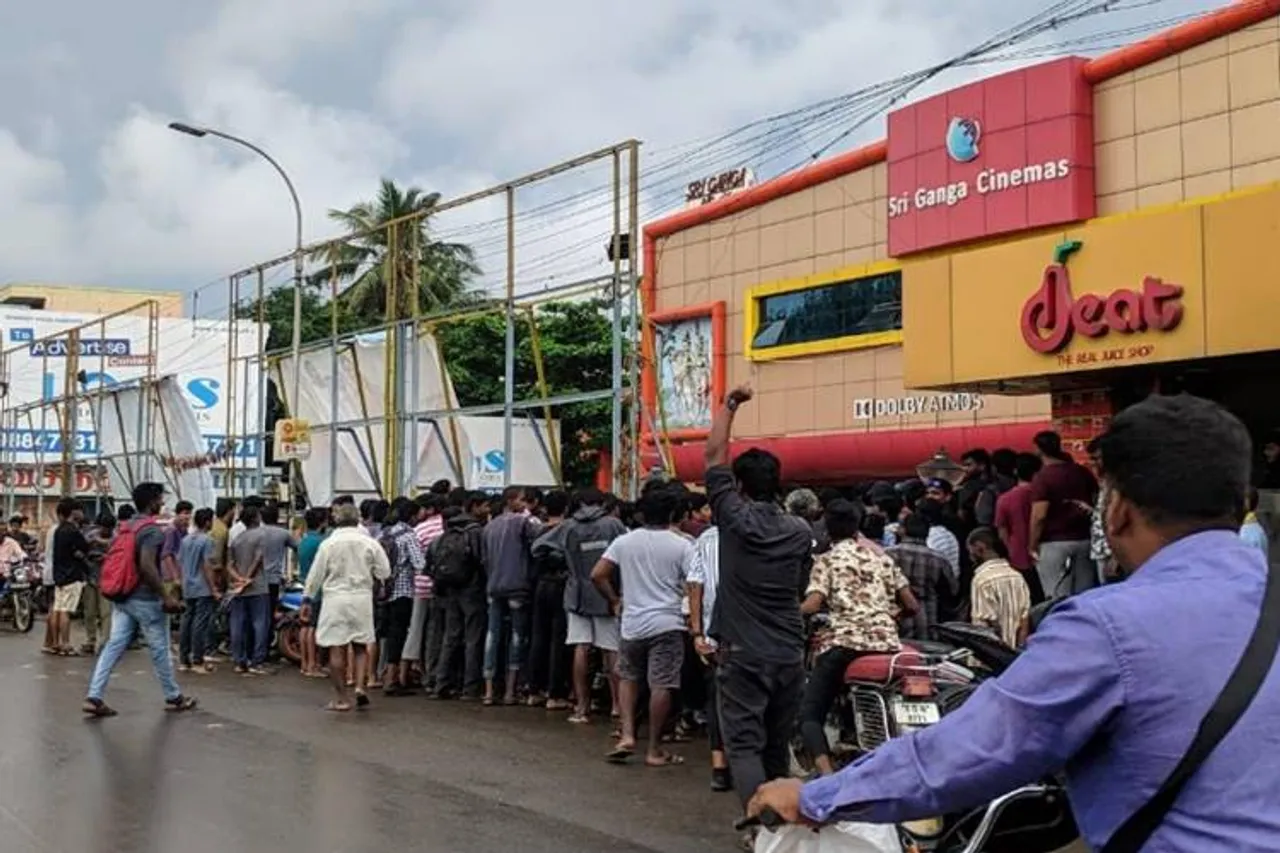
(765, 556)
(70, 551)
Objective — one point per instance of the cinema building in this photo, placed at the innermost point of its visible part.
(1036, 249)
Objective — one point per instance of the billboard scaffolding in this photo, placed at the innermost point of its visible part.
(383, 413)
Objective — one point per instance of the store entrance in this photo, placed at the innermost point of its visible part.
(1245, 385)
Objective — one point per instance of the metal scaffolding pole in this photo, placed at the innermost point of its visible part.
(633, 285)
(509, 375)
(616, 325)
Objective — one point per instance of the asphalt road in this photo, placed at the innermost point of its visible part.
(261, 767)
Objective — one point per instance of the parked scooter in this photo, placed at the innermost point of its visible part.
(288, 625)
(16, 602)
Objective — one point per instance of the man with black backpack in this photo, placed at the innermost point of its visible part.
(130, 577)
(456, 562)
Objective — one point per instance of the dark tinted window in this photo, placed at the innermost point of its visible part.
(859, 306)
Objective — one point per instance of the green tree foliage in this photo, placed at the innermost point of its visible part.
(575, 341)
(366, 261)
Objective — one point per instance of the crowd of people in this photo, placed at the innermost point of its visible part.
(684, 611)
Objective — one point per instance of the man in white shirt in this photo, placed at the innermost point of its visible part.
(650, 564)
(702, 578)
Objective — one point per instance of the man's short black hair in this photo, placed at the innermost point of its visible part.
(931, 511)
(18, 519)
(556, 502)
(1049, 443)
(145, 495)
(403, 510)
(873, 527)
(458, 497)
(432, 501)
(661, 506)
(916, 526)
(589, 496)
(66, 506)
(366, 508)
(987, 536)
(441, 487)
(1183, 461)
(254, 500)
(250, 515)
(474, 499)
(126, 512)
(271, 514)
(203, 518)
(224, 506)
(890, 506)
(512, 493)
(344, 500)
(843, 519)
(978, 456)
(1003, 461)
(760, 474)
(827, 494)
(105, 521)
(183, 506)
(1027, 466)
(315, 517)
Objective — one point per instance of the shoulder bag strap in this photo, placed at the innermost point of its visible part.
(1242, 687)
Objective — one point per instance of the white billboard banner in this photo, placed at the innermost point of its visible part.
(177, 435)
(116, 351)
(529, 450)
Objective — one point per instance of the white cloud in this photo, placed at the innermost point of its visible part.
(450, 95)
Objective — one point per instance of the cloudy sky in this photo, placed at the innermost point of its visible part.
(446, 94)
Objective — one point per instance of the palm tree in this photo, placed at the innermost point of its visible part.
(380, 251)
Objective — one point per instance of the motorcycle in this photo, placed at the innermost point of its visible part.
(288, 624)
(16, 597)
(893, 694)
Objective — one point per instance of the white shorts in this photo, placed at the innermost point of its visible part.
(598, 631)
(67, 597)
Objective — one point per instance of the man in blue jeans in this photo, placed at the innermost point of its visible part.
(145, 609)
(199, 594)
(251, 607)
(507, 541)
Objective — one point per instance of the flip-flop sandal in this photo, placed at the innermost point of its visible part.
(487, 701)
(510, 701)
(677, 737)
(362, 699)
(579, 719)
(98, 709)
(338, 707)
(179, 705)
(668, 759)
(45, 650)
(558, 705)
(620, 754)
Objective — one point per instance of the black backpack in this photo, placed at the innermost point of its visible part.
(452, 563)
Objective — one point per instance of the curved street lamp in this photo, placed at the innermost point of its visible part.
(200, 132)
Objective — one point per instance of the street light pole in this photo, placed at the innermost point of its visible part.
(296, 346)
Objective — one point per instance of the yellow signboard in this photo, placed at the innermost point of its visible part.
(292, 439)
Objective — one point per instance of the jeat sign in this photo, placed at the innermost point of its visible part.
(1053, 315)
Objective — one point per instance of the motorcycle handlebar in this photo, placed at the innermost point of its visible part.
(767, 818)
(995, 808)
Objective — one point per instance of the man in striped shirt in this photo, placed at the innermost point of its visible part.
(1001, 599)
(425, 622)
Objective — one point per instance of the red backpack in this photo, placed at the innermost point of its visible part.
(119, 577)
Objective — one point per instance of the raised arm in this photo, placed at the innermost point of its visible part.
(717, 449)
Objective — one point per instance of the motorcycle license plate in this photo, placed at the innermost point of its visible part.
(915, 713)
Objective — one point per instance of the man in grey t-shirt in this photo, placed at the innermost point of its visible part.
(276, 544)
(251, 605)
(650, 564)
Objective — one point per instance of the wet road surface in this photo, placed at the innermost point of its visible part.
(260, 767)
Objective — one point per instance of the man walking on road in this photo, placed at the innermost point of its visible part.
(146, 608)
(765, 557)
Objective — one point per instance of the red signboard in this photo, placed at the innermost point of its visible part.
(1006, 154)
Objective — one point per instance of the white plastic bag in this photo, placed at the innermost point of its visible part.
(836, 838)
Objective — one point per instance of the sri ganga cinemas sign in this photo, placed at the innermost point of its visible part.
(1053, 315)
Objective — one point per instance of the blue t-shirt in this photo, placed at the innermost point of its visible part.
(307, 549)
(195, 550)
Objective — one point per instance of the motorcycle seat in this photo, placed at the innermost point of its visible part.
(882, 667)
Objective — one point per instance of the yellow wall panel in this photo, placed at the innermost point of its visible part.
(1242, 269)
(926, 311)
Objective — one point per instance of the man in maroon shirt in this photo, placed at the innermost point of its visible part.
(1013, 521)
(1059, 537)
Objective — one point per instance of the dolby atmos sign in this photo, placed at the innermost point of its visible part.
(923, 404)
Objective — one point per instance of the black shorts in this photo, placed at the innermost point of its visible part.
(656, 661)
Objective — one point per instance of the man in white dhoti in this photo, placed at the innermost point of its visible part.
(345, 567)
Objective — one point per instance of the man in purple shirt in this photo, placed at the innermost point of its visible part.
(1114, 684)
(173, 536)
